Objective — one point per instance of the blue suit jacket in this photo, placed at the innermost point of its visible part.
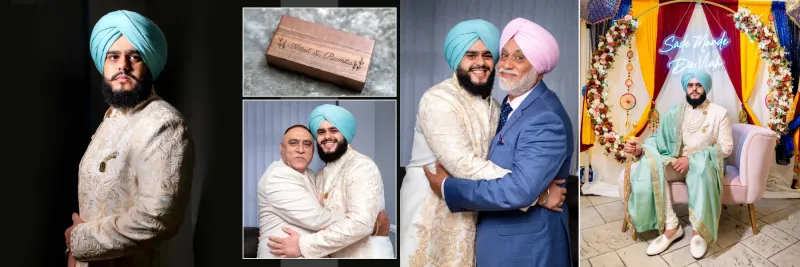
(536, 145)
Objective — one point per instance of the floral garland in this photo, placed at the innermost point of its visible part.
(596, 95)
(780, 79)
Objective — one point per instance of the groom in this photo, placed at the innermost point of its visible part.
(350, 183)
(534, 140)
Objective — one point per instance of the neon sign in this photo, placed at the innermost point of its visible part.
(673, 45)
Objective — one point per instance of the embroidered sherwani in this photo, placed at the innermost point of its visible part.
(288, 198)
(351, 185)
(134, 183)
(455, 128)
(702, 134)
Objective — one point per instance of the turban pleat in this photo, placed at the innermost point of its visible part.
(464, 35)
(536, 43)
(342, 119)
(701, 75)
(143, 33)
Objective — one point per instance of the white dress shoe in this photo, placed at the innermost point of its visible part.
(662, 242)
(698, 246)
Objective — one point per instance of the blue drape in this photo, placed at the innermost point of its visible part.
(624, 8)
(789, 37)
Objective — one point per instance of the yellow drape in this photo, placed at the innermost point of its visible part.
(646, 47)
(750, 55)
(587, 130)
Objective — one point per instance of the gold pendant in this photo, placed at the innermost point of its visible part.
(103, 166)
(703, 130)
(325, 196)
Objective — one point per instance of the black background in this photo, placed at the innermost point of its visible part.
(51, 106)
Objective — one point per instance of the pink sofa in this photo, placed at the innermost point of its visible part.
(746, 171)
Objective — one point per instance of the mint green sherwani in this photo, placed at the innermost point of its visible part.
(702, 134)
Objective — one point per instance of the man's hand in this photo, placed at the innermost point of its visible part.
(681, 165)
(288, 247)
(556, 197)
(76, 219)
(632, 147)
(382, 223)
(437, 179)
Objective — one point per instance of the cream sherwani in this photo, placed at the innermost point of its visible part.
(134, 183)
(702, 127)
(352, 185)
(455, 128)
(288, 198)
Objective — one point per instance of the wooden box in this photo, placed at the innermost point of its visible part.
(321, 52)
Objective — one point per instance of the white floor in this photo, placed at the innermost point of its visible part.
(777, 243)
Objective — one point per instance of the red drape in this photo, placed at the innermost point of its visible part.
(721, 20)
(672, 19)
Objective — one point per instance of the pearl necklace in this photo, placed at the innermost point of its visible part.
(696, 124)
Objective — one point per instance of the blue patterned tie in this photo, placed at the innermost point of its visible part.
(503, 117)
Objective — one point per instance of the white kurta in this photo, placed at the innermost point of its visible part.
(703, 127)
(455, 128)
(134, 184)
(288, 198)
(715, 128)
(353, 186)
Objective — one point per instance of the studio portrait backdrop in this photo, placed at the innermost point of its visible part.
(265, 121)
(424, 24)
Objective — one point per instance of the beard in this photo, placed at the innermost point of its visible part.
(483, 90)
(120, 99)
(518, 87)
(329, 157)
(696, 102)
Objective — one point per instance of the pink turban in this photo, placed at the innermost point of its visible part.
(538, 45)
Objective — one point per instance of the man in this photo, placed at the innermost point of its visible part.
(690, 144)
(350, 183)
(534, 141)
(456, 121)
(135, 178)
(287, 196)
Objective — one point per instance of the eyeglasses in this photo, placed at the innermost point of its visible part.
(694, 84)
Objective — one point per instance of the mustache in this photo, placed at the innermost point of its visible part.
(130, 75)
(479, 68)
(506, 71)
(329, 140)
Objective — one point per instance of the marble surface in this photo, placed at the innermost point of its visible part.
(776, 244)
(262, 80)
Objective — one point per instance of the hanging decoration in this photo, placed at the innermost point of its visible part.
(619, 33)
(793, 11)
(596, 11)
(779, 81)
(597, 97)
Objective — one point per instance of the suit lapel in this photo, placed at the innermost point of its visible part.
(535, 94)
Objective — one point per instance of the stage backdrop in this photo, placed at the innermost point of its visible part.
(424, 25)
(264, 122)
(606, 169)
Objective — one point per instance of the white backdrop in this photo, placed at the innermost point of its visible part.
(264, 122)
(607, 170)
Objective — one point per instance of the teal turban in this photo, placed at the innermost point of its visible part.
(143, 33)
(466, 33)
(701, 75)
(336, 115)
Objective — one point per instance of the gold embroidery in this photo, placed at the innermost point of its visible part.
(445, 238)
(657, 191)
(110, 203)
